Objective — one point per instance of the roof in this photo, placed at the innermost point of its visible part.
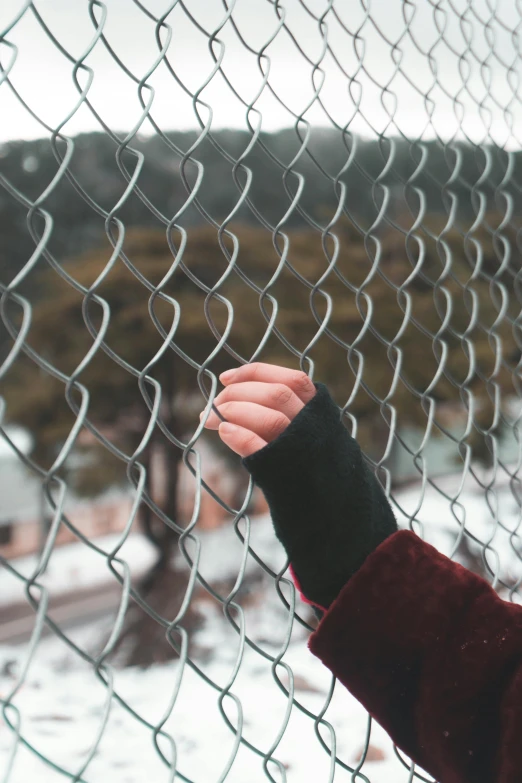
(20, 492)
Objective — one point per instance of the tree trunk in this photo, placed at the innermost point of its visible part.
(164, 585)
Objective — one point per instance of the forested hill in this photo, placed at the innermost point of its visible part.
(389, 189)
(439, 173)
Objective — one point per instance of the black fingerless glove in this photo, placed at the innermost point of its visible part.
(327, 507)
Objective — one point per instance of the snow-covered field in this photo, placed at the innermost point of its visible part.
(76, 567)
(62, 703)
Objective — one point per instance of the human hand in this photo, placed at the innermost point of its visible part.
(327, 507)
(259, 401)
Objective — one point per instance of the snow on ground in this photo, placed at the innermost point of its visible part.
(61, 701)
(76, 566)
(62, 705)
(493, 518)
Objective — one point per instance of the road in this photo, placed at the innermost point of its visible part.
(67, 610)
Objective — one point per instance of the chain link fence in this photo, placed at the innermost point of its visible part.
(330, 186)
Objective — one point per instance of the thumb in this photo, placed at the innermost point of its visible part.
(242, 441)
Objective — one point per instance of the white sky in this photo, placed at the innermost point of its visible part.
(479, 55)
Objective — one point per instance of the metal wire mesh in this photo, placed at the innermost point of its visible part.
(405, 75)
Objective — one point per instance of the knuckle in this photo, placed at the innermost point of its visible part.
(224, 395)
(275, 424)
(249, 440)
(302, 381)
(255, 369)
(281, 394)
(225, 407)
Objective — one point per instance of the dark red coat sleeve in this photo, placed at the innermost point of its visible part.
(435, 656)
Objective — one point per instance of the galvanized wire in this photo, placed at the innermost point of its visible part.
(472, 19)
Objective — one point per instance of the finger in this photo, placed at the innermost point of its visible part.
(296, 380)
(272, 395)
(239, 439)
(265, 422)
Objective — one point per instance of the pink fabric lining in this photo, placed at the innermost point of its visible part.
(300, 590)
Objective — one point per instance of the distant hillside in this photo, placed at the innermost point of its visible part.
(29, 167)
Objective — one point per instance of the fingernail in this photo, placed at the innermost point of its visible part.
(225, 428)
(227, 376)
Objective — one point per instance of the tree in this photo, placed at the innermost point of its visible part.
(381, 314)
(116, 406)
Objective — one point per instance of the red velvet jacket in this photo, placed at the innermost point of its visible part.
(425, 645)
(435, 656)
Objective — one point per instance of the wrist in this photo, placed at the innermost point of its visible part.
(328, 509)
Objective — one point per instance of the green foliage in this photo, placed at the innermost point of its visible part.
(397, 298)
(77, 226)
(389, 313)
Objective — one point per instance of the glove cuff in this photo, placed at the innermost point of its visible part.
(328, 509)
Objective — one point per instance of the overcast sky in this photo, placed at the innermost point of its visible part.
(484, 60)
